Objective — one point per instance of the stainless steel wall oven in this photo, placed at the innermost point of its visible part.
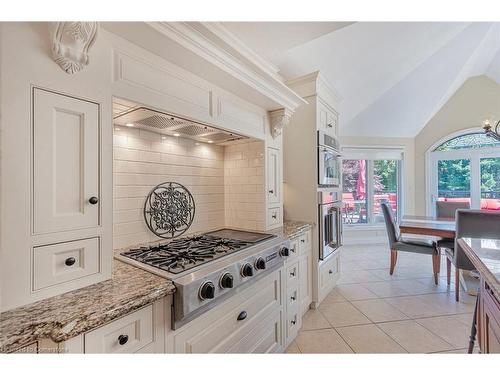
(330, 223)
(329, 162)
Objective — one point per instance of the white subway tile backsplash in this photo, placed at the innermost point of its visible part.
(227, 182)
(244, 197)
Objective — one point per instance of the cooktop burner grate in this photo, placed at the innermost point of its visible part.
(182, 254)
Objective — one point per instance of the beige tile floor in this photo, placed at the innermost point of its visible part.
(371, 311)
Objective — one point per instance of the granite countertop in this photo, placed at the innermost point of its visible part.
(70, 314)
(292, 228)
(485, 255)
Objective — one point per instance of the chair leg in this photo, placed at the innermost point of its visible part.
(473, 330)
(394, 258)
(436, 265)
(448, 270)
(457, 284)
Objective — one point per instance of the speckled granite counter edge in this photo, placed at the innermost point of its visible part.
(483, 270)
(68, 315)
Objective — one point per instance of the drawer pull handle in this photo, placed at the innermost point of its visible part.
(122, 339)
(93, 200)
(242, 315)
(70, 261)
(330, 272)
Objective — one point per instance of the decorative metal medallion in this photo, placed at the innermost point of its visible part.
(169, 210)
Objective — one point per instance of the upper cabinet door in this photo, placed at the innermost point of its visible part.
(65, 163)
(273, 175)
(327, 119)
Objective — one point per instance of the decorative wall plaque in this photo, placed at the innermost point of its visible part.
(169, 210)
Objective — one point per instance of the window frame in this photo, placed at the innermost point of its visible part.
(401, 196)
(473, 154)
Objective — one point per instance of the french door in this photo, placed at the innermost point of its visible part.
(465, 176)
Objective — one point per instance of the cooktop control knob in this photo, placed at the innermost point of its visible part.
(260, 263)
(247, 270)
(285, 251)
(207, 290)
(226, 281)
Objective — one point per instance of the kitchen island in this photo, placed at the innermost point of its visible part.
(485, 255)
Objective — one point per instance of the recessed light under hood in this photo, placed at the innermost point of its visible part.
(167, 124)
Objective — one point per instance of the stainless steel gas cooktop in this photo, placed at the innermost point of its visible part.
(183, 254)
(208, 268)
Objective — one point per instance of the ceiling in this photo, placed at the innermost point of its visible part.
(393, 76)
(271, 40)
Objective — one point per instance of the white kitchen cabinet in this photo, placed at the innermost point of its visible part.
(65, 163)
(298, 280)
(327, 119)
(140, 331)
(329, 272)
(249, 321)
(128, 334)
(273, 176)
(65, 262)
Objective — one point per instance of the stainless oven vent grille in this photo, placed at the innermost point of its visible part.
(167, 124)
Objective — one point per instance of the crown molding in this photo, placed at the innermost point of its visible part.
(217, 45)
(315, 84)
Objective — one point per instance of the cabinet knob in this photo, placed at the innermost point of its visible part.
(329, 125)
(292, 298)
(302, 240)
(274, 216)
(242, 315)
(271, 191)
(93, 200)
(122, 339)
(292, 274)
(293, 322)
(70, 261)
(330, 271)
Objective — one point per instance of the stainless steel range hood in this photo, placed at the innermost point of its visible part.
(167, 124)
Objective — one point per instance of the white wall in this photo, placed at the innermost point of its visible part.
(143, 159)
(478, 98)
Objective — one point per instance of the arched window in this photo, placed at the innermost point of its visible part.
(468, 141)
(464, 171)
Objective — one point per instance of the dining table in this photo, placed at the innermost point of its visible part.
(428, 226)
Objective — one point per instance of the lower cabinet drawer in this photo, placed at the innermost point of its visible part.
(124, 335)
(221, 329)
(65, 262)
(328, 275)
(292, 298)
(292, 274)
(274, 216)
(293, 323)
(304, 242)
(264, 338)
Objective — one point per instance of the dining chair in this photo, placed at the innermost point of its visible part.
(448, 210)
(396, 243)
(470, 223)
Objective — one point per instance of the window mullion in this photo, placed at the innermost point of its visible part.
(370, 191)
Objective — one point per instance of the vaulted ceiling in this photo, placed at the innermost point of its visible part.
(393, 76)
